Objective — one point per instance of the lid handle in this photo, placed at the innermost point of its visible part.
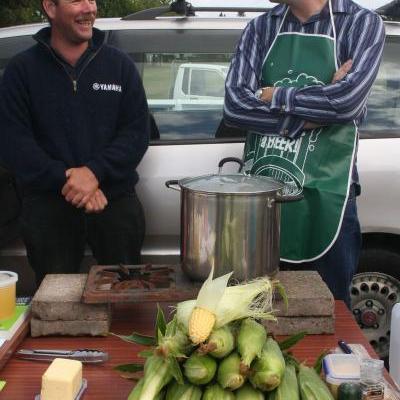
(230, 159)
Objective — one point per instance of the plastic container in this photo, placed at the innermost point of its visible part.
(394, 352)
(371, 379)
(340, 368)
(8, 281)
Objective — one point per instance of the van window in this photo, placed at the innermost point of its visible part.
(384, 101)
(11, 46)
(183, 73)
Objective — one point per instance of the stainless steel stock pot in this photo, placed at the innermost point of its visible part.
(231, 221)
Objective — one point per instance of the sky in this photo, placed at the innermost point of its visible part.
(265, 3)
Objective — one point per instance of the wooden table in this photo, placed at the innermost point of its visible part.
(24, 377)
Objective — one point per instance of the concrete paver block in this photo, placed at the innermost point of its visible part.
(307, 293)
(69, 328)
(59, 298)
(293, 325)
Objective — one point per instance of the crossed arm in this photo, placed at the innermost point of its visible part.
(287, 110)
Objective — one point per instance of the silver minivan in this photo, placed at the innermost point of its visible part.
(182, 62)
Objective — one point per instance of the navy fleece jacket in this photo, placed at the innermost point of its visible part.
(49, 123)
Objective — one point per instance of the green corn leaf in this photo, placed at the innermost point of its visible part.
(145, 353)
(175, 370)
(292, 340)
(171, 327)
(291, 360)
(160, 321)
(130, 371)
(137, 338)
(129, 367)
(318, 363)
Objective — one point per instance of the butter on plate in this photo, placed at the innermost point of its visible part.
(62, 380)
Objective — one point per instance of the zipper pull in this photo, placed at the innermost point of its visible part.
(75, 84)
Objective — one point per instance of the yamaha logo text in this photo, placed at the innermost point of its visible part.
(107, 87)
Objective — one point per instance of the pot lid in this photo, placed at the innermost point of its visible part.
(231, 184)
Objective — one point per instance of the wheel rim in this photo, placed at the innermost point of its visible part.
(373, 296)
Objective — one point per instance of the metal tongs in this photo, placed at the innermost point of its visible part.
(87, 356)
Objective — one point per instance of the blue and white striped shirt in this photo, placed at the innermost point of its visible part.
(360, 37)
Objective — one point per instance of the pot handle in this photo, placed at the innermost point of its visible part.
(230, 159)
(288, 198)
(171, 183)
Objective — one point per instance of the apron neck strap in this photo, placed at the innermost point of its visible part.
(332, 22)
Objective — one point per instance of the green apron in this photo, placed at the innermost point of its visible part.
(319, 163)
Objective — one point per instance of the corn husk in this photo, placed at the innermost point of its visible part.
(221, 342)
(289, 388)
(215, 392)
(183, 392)
(157, 375)
(269, 368)
(311, 385)
(247, 392)
(253, 299)
(229, 374)
(199, 369)
(251, 339)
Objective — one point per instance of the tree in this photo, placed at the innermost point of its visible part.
(120, 8)
(14, 12)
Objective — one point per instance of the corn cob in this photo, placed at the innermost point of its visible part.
(137, 390)
(215, 392)
(222, 342)
(288, 389)
(183, 392)
(199, 369)
(157, 375)
(229, 374)
(311, 385)
(251, 340)
(135, 394)
(201, 324)
(247, 392)
(268, 370)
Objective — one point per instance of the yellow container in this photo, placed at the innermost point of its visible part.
(8, 282)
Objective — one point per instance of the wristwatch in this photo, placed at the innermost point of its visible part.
(259, 93)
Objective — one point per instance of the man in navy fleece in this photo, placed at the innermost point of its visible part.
(73, 128)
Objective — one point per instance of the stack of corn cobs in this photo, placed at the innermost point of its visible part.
(214, 349)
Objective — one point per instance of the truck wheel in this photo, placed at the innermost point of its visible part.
(373, 296)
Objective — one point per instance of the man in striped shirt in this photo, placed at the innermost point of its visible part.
(290, 111)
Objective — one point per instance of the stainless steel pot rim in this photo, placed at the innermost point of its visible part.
(234, 184)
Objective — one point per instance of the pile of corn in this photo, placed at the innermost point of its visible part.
(215, 355)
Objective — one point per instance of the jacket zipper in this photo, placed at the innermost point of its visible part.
(88, 61)
(73, 80)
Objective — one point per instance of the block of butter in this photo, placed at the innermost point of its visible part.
(62, 380)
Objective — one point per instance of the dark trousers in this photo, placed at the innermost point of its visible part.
(55, 233)
(339, 264)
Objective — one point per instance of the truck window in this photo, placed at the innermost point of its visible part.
(185, 92)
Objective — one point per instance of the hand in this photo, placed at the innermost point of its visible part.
(267, 94)
(342, 71)
(311, 125)
(80, 187)
(97, 203)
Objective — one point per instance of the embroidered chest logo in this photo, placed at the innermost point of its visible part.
(107, 87)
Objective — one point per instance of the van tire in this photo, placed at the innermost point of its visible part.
(384, 260)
